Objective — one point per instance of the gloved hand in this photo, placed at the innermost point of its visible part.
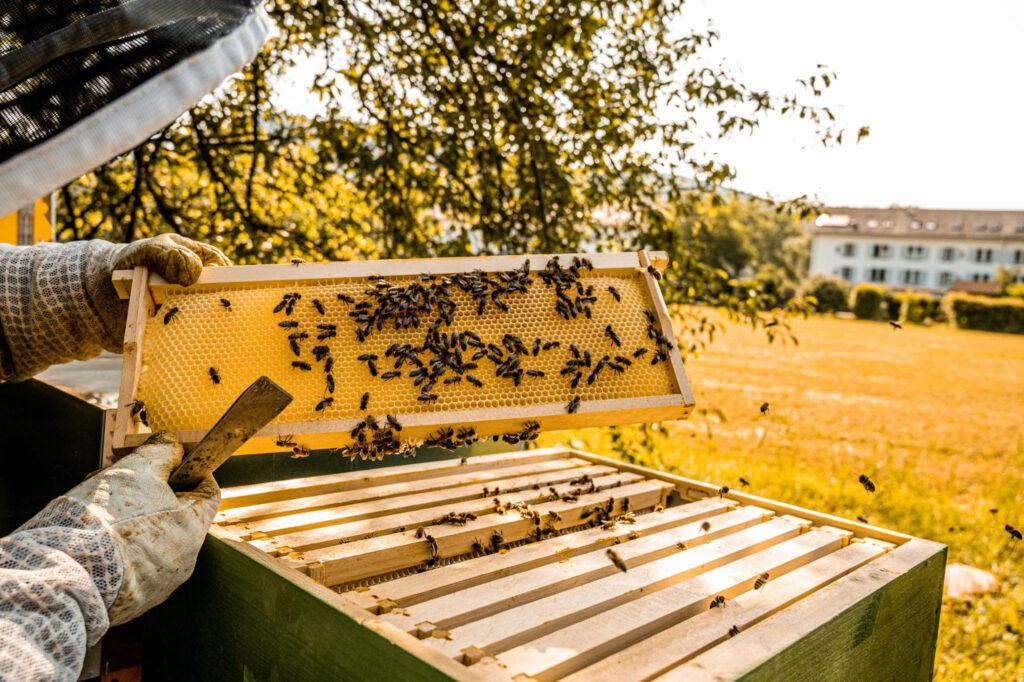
(159, 531)
(57, 302)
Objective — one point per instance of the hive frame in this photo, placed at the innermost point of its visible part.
(888, 586)
(145, 291)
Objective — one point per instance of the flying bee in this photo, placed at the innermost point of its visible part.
(615, 292)
(226, 304)
(573, 405)
(862, 519)
(868, 484)
(304, 366)
(319, 307)
(330, 383)
(764, 408)
(705, 527)
(762, 580)
(394, 423)
(744, 482)
(723, 491)
(346, 298)
(653, 271)
(773, 323)
(734, 630)
(616, 559)
(169, 315)
(288, 324)
(717, 602)
(214, 375)
(1014, 533)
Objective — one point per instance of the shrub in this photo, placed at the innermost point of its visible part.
(1003, 314)
(831, 293)
(1016, 290)
(867, 302)
(917, 306)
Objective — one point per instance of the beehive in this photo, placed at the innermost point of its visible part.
(191, 351)
(384, 575)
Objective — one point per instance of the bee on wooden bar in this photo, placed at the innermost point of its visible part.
(300, 452)
(330, 383)
(462, 462)
(497, 540)
(214, 375)
(288, 324)
(477, 548)
(573, 405)
(717, 602)
(394, 423)
(304, 366)
(138, 408)
(723, 491)
(170, 314)
(705, 527)
(346, 298)
(1014, 533)
(226, 304)
(420, 532)
(296, 261)
(324, 404)
(744, 482)
(616, 559)
(733, 631)
(555, 516)
(285, 441)
(868, 484)
(653, 271)
(319, 307)
(762, 580)
(615, 292)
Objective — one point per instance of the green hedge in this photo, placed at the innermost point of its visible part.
(1003, 314)
(832, 294)
(868, 302)
(918, 307)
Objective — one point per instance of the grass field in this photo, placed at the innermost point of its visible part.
(934, 415)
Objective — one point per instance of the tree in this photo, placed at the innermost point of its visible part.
(446, 128)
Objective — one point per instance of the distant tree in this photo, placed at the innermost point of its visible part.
(830, 293)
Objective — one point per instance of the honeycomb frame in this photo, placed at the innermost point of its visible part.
(160, 368)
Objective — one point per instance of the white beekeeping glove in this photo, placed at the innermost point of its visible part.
(158, 531)
(57, 302)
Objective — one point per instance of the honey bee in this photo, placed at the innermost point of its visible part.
(610, 333)
(764, 408)
(717, 602)
(653, 271)
(390, 375)
(288, 324)
(324, 404)
(294, 344)
(320, 352)
(304, 366)
(329, 366)
(617, 560)
(1014, 533)
(862, 519)
(639, 352)
(226, 304)
(575, 380)
(761, 581)
(346, 298)
(615, 293)
(868, 484)
(214, 375)
(364, 401)
(477, 547)
(170, 314)
(285, 442)
(138, 408)
(330, 383)
(473, 380)
(296, 261)
(536, 347)
(462, 462)
(573, 405)
(723, 491)
(705, 527)
(394, 423)
(733, 631)
(427, 397)
(744, 482)
(300, 452)
(534, 373)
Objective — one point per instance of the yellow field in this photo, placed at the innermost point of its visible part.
(934, 415)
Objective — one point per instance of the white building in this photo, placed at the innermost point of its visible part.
(916, 248)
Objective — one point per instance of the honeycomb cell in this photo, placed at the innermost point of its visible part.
(247, 340)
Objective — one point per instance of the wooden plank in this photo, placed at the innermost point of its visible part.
(414, 589)
(316, 538)
(266, 510)
(691, 489)
(453, 610)
(140, 308)
(521, 624)
(243, 275)
(554, 654)
(658, 301)
(379, 555)
(879, 622)
(332, 516)
(262, 621)
(273, 491)
(667, 648)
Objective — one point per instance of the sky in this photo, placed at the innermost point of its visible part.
(940, 84)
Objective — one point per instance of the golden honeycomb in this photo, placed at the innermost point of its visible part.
(246, 341)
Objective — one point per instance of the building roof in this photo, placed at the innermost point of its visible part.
(979, 288)
(921, 223)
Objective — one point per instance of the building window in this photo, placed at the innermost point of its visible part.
(880, 251)
(945, 279)
(915, 224)
(995, 227)
(876, 275)
(1018, 257)
(981, 277)
(872, 224)
(846, 272)
(948, 254)
(912, 276)
(887, 224)
(930, 225)
(1020, 228)
(915, 252)
(957, 227)
(979, 227)
(982, 256)
(848, 249)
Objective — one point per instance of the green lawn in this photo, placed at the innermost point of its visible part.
(934, 415)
